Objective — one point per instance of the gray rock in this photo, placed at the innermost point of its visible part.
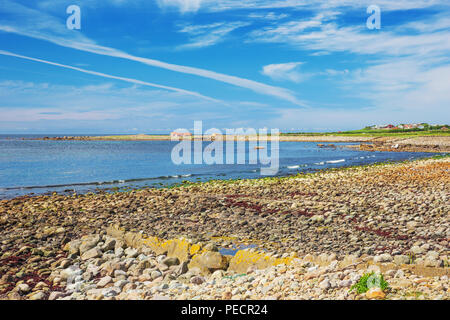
(197, 280)
(110, 244)
(131, 253)
(54, 295)
(325, 284)
(121, 283)
(399, 274)
(411, 225)
(70, 273)
(155, 274)
(104, 281)
(89, 243)
(317, 218)
(74, 247)
(345, 283)
(401, 259)
(416, 250)
(118, 273)
(91, 254)
(433, 255)
(183, 268)
(211, 247)
(23, 288)
(37, 296)
(118, 252)
(385, 257)
(111, 292)
(171, 261)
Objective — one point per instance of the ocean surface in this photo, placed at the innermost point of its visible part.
(39, 167)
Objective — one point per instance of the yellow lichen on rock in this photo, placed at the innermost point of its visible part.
(246, 258)
(208, 261)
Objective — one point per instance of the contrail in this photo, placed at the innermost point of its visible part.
(42, 26)
(149, 84)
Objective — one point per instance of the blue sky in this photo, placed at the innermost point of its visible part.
(154, 66)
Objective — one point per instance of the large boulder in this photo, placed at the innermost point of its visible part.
(208, 262)
(245, 259)
(178, 248)
(88, 242)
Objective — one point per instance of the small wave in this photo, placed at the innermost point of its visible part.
(319, 163)
(186, 175)
(336, 161)
(293, 167)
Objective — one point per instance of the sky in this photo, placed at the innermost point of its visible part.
(157, 65)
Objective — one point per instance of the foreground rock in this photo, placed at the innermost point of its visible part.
(115, 275)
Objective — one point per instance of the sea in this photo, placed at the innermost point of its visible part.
(35, 167)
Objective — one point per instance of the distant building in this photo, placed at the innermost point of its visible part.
(176, 134)
(216, 136)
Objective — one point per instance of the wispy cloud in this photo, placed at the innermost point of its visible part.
(222, 5)
(104, 75)
(183, 5)
(46, 27)
(399, 61)
(271, 16)
(325, 35)
(209, 35)
(285, 71)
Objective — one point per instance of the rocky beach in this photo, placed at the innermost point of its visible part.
(309, 236)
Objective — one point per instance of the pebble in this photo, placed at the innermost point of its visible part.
(391, 213)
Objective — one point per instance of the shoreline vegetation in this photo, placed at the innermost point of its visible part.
(309, 236)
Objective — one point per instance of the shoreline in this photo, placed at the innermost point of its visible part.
(143, 137)
(326, 218)
(401, 143)
(127, 188)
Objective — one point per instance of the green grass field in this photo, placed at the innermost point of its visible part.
(377, 133)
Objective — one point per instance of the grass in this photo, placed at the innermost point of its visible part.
(370, 280)
(398, 133)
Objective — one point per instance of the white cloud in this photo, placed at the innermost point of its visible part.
(405, 84)
(28, 101)
(45, 27)
(284, 71)
(183, 5)
(400, 65)
(333, 72)
(104, 75)
(223, 5)
(271, 16)
(209, 35)
(325, 35)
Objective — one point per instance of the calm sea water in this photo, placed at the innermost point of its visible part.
(37, 167)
